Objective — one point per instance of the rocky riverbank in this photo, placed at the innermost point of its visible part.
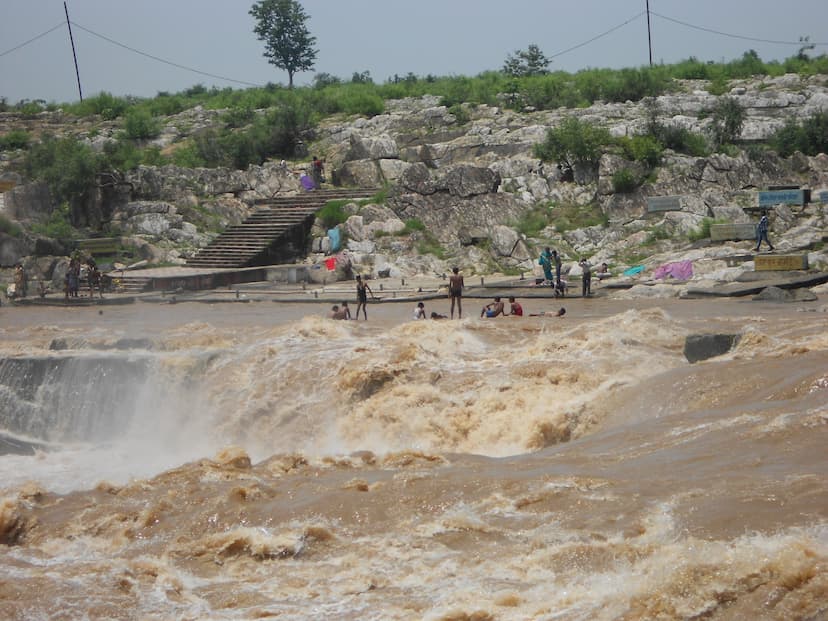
(461, 189)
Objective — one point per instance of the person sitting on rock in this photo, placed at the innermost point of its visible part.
(493, 309)
(515, 309)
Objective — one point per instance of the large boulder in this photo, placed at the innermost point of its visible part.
(12, 250)
(28, 202)
(372, 148)
(467, 181)
(699, 347)
(775, 294)
(360, 173)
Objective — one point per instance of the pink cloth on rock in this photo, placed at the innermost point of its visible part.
(680, 270)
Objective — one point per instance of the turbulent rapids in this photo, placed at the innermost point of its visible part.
(241, 466)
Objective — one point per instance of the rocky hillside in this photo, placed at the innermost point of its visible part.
(465, 188)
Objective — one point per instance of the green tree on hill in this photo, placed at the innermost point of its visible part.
(528, 62)
(289, 44)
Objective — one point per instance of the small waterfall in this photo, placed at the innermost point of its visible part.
(64, 398)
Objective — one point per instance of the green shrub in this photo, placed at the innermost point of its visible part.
(139, 124)
(682, 140)
(187, 155)
(727, 120)
(105, 104)
(645, 149)
(67, 166)
(333, 213)
(574, 142)
(532, 222)
(571, 216)
(624, 181)
(703, 232)
(461, 115)
(361, 100)
(718, 85)
(58, 225)
(122, 154)
(166, 105)
(430, 245)
(412, 225)
(238, 117)
(8, 227)
(15, 139)
(655, 235)
(809, 137)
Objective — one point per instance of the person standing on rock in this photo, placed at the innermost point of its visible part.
(545, 261)
(586, 278)
(556, 259)
(317, 172)
(456, 291)
(21, 281)
(762, 232)
(362, 290)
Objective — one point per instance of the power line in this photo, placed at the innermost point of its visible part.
(595, 38)
(32, 40)
(734, 36)
(162, 60)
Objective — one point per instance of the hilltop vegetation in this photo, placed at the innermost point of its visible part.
(237, 128)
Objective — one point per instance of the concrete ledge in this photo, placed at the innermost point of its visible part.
(780, 262)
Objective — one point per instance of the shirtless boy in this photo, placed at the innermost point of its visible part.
(456, 292)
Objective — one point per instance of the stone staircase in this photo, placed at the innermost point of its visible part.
(129, 283)
(275, 233)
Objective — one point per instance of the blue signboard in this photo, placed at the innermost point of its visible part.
(823, 196)
(781, 197)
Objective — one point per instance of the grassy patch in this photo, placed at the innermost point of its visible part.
(532, 222)
(333, 213)
(430, 245)
(655, 235)
(571, 217)
(703, 232)
(58, 225)
(412, 225)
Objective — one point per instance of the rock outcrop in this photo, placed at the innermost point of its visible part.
(469, 179)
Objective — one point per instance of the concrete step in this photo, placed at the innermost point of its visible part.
(130, 284)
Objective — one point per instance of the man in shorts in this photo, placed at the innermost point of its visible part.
(456, 291)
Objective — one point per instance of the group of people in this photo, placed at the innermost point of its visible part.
(495, 308)
(550, 259)
(75, 274)
(343, 311)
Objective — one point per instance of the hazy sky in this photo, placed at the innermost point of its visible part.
(384, 37)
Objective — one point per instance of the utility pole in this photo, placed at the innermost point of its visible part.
(649, 36)
(74, 55)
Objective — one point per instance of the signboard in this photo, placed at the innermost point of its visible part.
(737, 231)
(823, 196)
(663, 203)
(780, 262)
(781, 197)
(5, 186)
